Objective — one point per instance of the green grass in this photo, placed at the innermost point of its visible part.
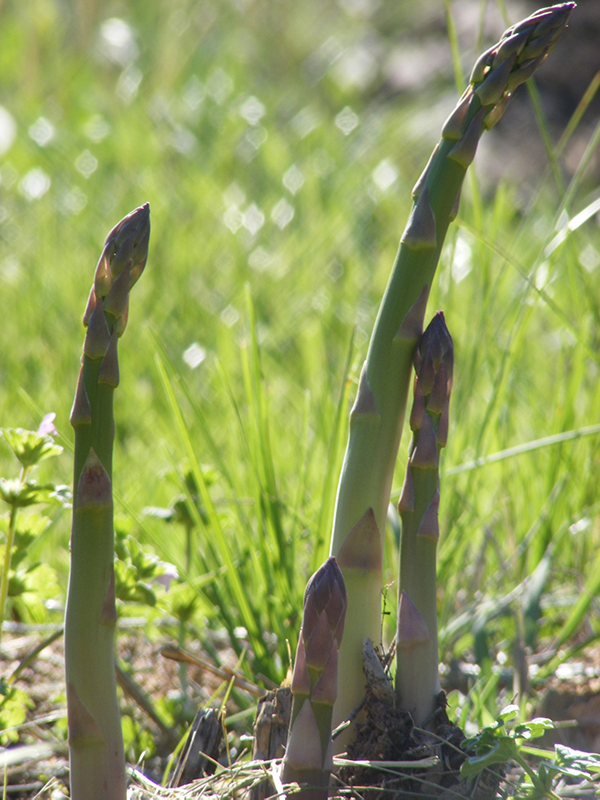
(283, 315)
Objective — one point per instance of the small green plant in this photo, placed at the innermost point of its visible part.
(500, 743)
(547, 774)
(23, 585)
(137, 570)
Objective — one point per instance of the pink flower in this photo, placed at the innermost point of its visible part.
(47, 425)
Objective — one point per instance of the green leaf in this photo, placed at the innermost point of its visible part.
(30, 447)
(31, 525)
(16, 584)
(485, 738)
(128, 589)
(28, 591)
(576, 762)
(13, 712)
(183, 602)
(10, 490)
(546, 774)
(495, 744)
(534, 728)
(28, 528)
(505, 749)
(166, 514)
(61, 495)
(136, 569)
(508, 712)
(21, 494)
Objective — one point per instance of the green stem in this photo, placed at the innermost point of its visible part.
(417, 677)
(97, 758)
(547, 793)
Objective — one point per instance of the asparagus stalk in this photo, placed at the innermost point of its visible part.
(417, 675)
(377, 417)
(97, 760)
(308, 758)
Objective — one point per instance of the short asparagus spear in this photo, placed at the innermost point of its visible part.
(97, 761)
(417, 676)
(377, 416)
(308, 757)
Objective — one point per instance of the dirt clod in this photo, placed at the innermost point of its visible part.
(388, 734)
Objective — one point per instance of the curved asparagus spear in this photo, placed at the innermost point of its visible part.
(417, 675)
(308, 757)
(97, 760)
(378, 414)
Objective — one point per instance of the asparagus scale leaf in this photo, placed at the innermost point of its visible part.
(377, 416)
(97, 760)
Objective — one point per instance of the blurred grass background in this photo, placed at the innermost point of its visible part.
(277, 144)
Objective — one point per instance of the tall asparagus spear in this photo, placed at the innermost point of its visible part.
(97, 761)
(417, 675)
(308, 757)
(377, 416)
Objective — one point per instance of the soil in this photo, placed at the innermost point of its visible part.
(388, 734)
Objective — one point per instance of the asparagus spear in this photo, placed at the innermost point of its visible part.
(417, 676)
(378, 414)
(97, 760)
(308, 757)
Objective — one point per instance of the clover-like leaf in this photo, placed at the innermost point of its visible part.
(577, 763)
(28, 493)
(508, 712)
(534, 728)
(128, 589)
(136, 570)
(30, 447)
